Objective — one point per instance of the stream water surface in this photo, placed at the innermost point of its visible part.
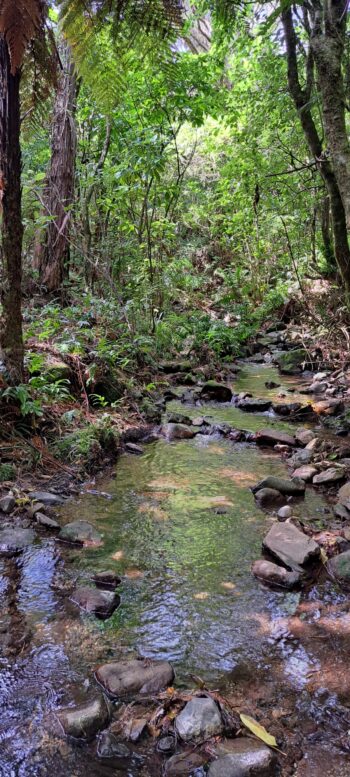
(181, 526)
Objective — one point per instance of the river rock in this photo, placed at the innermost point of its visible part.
(125, 678)
(46, 498)
(268, 497)
(293, 487)
(318, 387)
(200, 718)
(284, 512)
(274, 437)
(313, 444)
(331, 475)
(85, 720)
(184, 764)
(300, 457)
(254, 405)
(344, 494)
(286, 408)
(131, 447)
(341, 512)
(303, 436)
(306, 472)
(246, 758)
(274, 574)
(107, 579)
(7, 504)
(80, 532)
(44, 520)
(217, 392)
(13, 541)
(178, 432)
(328, 406)
(339, 566)
(290, 545)
(109, 747)
(95, 602)
(290, 362)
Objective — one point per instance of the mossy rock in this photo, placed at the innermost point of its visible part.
(151, 411)
(7, 472)
(291, 362)
(56, 370)
(88, 445)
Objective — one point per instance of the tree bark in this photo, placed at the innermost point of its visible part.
(52, 253)
(11, 334)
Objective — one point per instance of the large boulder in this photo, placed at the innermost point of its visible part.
(95, 602)
(295, 487)
(80, 533)
(244, 757)
(339, 566)
(218, 392)
(199, 719)
(274, 437)
(290, 545)
(275, 575)
(14, 541)
(290, 362)
(85, 720)
(125, 678)
(329, 476)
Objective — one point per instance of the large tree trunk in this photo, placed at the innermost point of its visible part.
(52, 249)
(11, 337)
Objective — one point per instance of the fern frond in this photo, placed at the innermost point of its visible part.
(20, 21)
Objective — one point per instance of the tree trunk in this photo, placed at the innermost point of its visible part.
(52, 248)
(11, 335)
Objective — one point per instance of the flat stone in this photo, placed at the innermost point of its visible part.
(344, 494)
(107, 579)
(81, 532)
(85, 720)
(275, 575)
(184, 764)
(331, 475)
(290, 545)
(254, 405)
(217, 392)
(293, 487)
(13, 541)
(44, 520)
(125, 678)
(178, 432)
(306, 472)
(285, 512)
(109, 747)
(200, 718)
(46, 498)
(95, 602)
(274, 437)
(339, 566)
(303, 436)
(244, 758)
(268, 497)
(7, 504)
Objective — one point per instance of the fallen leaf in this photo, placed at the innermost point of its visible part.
(258, 730)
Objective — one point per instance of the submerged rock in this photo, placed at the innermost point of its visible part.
(95, 602)
(184, 764)
(109, 747)
(218, 392)
(244, 758)
(81, 532)
(339, 566)
(85, 720)
(274, 437)
(331, 475)
(275, 575)
(13, 541)
(268, 497)
(200, 718)
(254, 405)
(293, 487)
(290, 545)
(124, 678)
(107, 579)
(178, 432)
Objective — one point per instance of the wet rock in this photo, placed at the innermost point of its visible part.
(184, 764)
(80, 532)
(13, 541)
(200, 718)
(294, 487)
(268, 497)
(218, 392)
(95, 602)
(44, 520)
(124, 678)
(244, 758)
(339, 566)
(291, 362)
(46, 498)
(7, 504)
(85, 720)
(286, 409)
(331, 475)
(109, 747)
(303, 436)
(344, 494)
(254, 405)
(273, 437)
(284, 512)
(306, 472)
(178, 432)
(131, 447)
(275, 575)
(290, 545)
(107, 579)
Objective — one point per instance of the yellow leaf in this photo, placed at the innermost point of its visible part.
(258, 730)
(324, 557)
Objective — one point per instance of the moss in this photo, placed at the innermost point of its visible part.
(7, 472)
(291, 361)
(89, 444)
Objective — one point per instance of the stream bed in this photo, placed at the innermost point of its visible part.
(182, 529)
